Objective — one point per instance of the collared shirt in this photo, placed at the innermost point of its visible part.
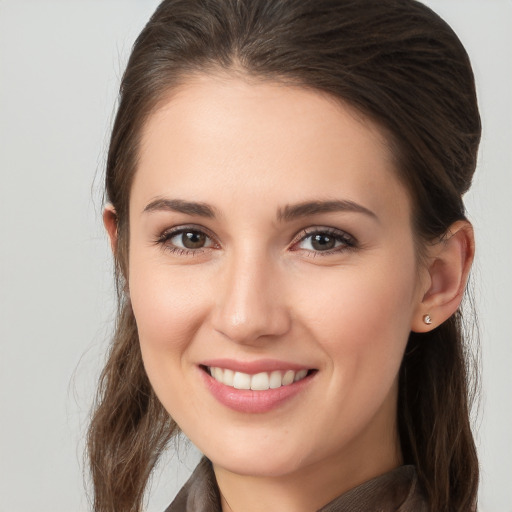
(396, 491)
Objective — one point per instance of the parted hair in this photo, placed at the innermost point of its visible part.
(399, 64)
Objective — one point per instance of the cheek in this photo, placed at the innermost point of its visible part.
(362, 319)
(169, 310)
(168, 306)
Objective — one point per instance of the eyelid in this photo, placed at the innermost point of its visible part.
(349, 242)
(163, 238)
(174, 230)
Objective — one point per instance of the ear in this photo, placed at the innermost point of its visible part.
(449, 262)
(110, 223)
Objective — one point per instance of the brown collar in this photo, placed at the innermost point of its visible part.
(396, 491)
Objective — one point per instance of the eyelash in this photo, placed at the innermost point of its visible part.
(345, 240)
(164, 239)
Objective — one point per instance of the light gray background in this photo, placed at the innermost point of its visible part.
(60, 65)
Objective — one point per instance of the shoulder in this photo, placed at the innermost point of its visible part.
(396, 491)
(200, 492)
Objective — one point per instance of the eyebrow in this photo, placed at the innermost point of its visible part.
(285, 214)
(181, 206)
(291, 212)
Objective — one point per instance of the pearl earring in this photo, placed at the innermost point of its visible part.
(427, 319)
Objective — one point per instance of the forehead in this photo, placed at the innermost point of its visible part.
(219, 139)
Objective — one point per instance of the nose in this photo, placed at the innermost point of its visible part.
(251, 304)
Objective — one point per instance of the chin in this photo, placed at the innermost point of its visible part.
(257, 461)
(271, 468)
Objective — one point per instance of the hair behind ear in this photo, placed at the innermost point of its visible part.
(129, 428)
(433, 416)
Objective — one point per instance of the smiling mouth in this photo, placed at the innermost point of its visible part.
(257, 382)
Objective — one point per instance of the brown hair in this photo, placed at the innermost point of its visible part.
(398, 63)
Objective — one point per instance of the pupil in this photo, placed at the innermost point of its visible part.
(193, 240)
(323, 242)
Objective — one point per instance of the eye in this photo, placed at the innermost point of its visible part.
(190, 240)
(185, 240)
(326, 240)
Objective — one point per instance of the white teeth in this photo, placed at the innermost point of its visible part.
(217, 373)
(288, 377)
(300, 375)
(228, 377)
(258, 382)
(241, 381)
(275, 380)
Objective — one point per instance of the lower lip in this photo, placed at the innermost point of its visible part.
(249, 401)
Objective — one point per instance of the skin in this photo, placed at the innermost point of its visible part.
(258, 288)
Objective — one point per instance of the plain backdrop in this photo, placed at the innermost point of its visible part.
(60, 66)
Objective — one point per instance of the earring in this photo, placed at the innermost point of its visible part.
(427, 319)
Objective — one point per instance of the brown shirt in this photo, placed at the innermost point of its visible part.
(396, 491)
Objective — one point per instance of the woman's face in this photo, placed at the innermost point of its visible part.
(271, 247)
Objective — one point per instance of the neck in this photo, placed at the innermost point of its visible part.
(313, 486)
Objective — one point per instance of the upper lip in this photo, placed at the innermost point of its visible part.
(254, 367)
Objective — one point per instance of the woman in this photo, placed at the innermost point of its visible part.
(285, 184)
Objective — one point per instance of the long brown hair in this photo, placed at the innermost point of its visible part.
(399, 64)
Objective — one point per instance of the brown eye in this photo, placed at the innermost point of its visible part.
(326, 241)
(323, 242)
(185, 239)
(193, 239)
